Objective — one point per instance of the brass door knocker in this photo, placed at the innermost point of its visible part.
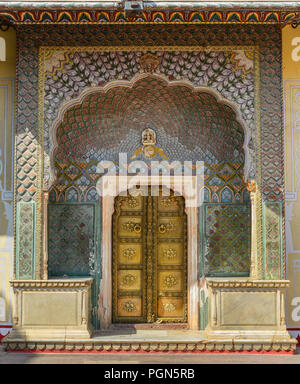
(137, 228)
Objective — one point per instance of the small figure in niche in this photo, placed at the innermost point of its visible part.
(149, 149)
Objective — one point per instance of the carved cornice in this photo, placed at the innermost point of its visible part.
(281, 347)
(51, 284)
(275, 284)
(183, 14)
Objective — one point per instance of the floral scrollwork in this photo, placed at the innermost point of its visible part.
(129, 306)
(169, 307)
(170, 281)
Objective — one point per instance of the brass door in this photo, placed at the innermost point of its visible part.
(149, 259)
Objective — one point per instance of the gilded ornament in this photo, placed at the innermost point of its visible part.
(132, 227)
(129, 306)
(129, 253)
(170, 281)
(167, 201)
(128, 280)
(132, 202)
(164, 228)
(169, 307)
(170, 253)
(149, 149)
(149, 63)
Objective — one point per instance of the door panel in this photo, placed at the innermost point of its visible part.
(149, 259)
(171, 259)
(170, 253)
(130, 253)
(129, 274)
(171, 308)
(129, 307)
(130, 280)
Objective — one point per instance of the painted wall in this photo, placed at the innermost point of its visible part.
(7, 92)
(291, 79)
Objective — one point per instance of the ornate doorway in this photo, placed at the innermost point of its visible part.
(149, 259)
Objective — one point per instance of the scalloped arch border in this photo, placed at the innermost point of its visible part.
(130, 84)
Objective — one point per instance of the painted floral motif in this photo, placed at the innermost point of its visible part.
(167, 201)
(129, 253)
(170, 281)
(131, 226)
(165, 228)
(244, 60)
(170, 253)
(129, 280)
(132, 202)
(169, 307)
(25, 249)
(129, 306)
(54, 62)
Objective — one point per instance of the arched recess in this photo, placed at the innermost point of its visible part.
(192, 123)
(176, 107)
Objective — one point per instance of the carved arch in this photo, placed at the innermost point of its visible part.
(130, 84)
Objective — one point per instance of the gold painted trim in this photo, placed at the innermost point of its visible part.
(149, 48)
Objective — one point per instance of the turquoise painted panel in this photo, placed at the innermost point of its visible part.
(71, 239)
(74, 233)
(225, 239)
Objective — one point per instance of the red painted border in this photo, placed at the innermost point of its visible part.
(94, 351)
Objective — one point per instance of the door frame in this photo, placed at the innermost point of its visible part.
(118, 184)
